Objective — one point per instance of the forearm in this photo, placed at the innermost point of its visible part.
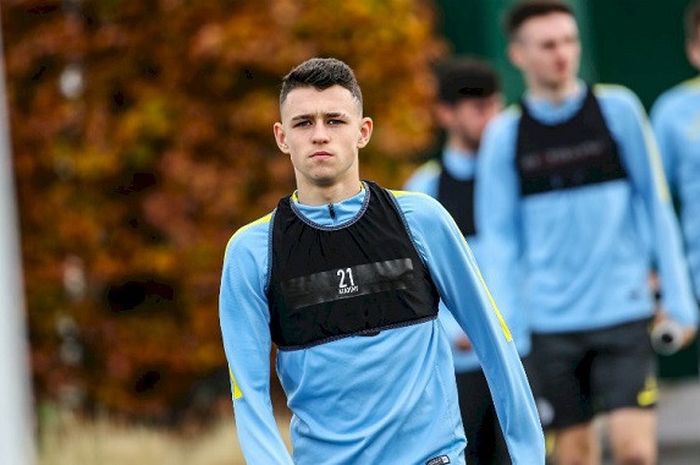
(650, 181)
(673, 272)
(507, 381)
(464, 292)
(248, 354)
(244, 318)
(257, 430)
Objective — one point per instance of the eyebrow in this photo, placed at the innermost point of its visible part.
(333, 114)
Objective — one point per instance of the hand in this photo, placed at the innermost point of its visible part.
(687, 334)
(463, 343)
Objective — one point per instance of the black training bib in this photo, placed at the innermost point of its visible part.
(577, 152)
(457, 196)
(330, 283)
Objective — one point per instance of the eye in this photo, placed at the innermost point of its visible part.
(549, 45)
(335, 122)
(302, 123)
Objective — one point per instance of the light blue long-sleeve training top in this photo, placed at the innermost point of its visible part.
(676, 120)
(383, 400)
(578, 259)
(462, 166)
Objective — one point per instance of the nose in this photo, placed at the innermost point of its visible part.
(320, 134)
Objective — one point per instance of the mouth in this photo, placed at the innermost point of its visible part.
(561, 66)
(321, 155)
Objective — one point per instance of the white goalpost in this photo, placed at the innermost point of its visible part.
(16, 427)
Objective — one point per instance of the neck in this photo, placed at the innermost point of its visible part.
(309, 194)
(460, 145)
(551, 94)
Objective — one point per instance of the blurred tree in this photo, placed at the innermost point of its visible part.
(142, 140)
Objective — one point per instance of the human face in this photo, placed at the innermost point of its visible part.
(322, 132)
(466, 119)
(692, 49)
(548, 51)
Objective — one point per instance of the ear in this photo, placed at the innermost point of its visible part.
(280, 137)
(366, 127)
(515, 53)
(692, 50)
(443, 114)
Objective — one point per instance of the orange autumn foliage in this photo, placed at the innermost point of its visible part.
(130, 187)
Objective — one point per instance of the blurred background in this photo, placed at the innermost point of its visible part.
(141, 139)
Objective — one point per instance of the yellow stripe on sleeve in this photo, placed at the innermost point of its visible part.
(514, 108)
(494, 307)
(235, 389)
(475, 267)
(482, 282)
(655, 162)
(694, 82)
(264, 219)
(653, 154)
(398, 193)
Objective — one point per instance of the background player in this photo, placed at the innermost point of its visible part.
(571, 194)
(676, 120)
(469, 96)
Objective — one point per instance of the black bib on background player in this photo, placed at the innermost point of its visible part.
(457, 196)
(330, 283)
(577, 152)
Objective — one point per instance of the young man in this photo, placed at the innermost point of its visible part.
(345, 278)
(573, 206)
(468, 98)
(676, 120)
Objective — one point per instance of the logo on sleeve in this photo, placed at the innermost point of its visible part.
(441, 460)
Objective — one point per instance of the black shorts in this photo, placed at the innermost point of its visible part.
(580, 374)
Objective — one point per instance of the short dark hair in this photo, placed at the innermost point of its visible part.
(462, 77)
(524, 10)
(692, 21)
(321, 73)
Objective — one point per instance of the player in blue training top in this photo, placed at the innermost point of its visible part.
(345, 278)
(676, 120)
(573, 208)
(468, 97)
